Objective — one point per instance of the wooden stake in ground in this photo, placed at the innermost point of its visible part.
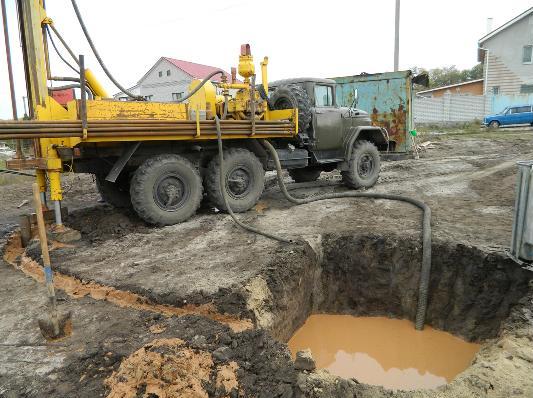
(54, 326)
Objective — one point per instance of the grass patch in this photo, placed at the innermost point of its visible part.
(472, 130)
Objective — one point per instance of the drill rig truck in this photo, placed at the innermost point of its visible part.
(160, 158)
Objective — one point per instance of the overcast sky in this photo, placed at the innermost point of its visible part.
(301, 38)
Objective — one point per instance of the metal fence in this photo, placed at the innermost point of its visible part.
(451, 109)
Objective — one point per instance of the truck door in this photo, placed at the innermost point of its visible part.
(327, 123)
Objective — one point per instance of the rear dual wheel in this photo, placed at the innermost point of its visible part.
(167, 189)
(244, 179)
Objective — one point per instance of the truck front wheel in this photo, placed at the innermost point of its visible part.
(244, 178)
(363, 166)
(166, 189)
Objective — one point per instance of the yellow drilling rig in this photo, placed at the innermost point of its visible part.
(160, 158)
(177, 139)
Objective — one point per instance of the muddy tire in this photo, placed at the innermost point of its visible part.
(117, 194)
(245, 180)
(494, 124)
(306, 174)
(293, 96)
(363, 166)
(166, 190)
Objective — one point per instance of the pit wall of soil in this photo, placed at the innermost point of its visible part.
(471, 291)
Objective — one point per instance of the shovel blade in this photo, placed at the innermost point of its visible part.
(53, 329)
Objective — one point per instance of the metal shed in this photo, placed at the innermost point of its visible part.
(387, 97)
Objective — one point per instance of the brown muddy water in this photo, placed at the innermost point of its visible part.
(383, 351)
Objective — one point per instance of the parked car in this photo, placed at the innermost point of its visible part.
(521, 114)
(6, 151)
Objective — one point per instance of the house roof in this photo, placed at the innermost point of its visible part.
(197, 71)
(450, 86)
(505, 25)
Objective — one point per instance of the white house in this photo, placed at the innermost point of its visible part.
(169, 79)
(507, 54)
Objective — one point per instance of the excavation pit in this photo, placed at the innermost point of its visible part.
(477, 295)
(383, 351)
(371, 282)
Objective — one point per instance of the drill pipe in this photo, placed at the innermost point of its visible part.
(128, 133)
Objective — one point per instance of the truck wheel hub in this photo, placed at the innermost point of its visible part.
(365, 165)
(238, 182)
(169, 192)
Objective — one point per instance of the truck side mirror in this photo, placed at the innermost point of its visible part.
(355, 98)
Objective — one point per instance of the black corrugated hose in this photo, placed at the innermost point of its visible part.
(426, 224)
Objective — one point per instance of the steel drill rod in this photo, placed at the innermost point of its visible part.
(111, 130)
(36, 127)
(146, 121)
(191, 132)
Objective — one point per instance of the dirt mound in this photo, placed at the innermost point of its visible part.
(104, 222)
(166, 368)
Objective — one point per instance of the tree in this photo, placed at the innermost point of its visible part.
(449, 75)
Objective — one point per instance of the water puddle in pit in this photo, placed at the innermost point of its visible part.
(383, 351)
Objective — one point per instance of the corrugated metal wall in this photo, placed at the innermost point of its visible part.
(499, 102)
(387, 97)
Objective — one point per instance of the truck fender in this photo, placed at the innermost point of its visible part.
(122, 161)
(376, 135)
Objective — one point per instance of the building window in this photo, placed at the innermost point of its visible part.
(168, 72)
(148, 97)
(177, 96)
(526, 89)
(527, 54)
(160, 73)
(496, 90)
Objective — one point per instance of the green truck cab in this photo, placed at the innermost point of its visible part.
(329, 136)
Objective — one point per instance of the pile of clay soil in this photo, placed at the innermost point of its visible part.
(217, 363)
(165, 368)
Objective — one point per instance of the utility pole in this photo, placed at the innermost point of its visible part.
(397, 36)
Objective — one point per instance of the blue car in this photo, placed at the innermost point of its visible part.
(517, 114)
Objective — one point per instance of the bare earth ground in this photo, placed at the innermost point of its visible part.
(204, 281)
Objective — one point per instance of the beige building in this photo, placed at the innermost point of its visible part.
(507, 54)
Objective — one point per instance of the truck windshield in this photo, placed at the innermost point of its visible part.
(323, 95)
